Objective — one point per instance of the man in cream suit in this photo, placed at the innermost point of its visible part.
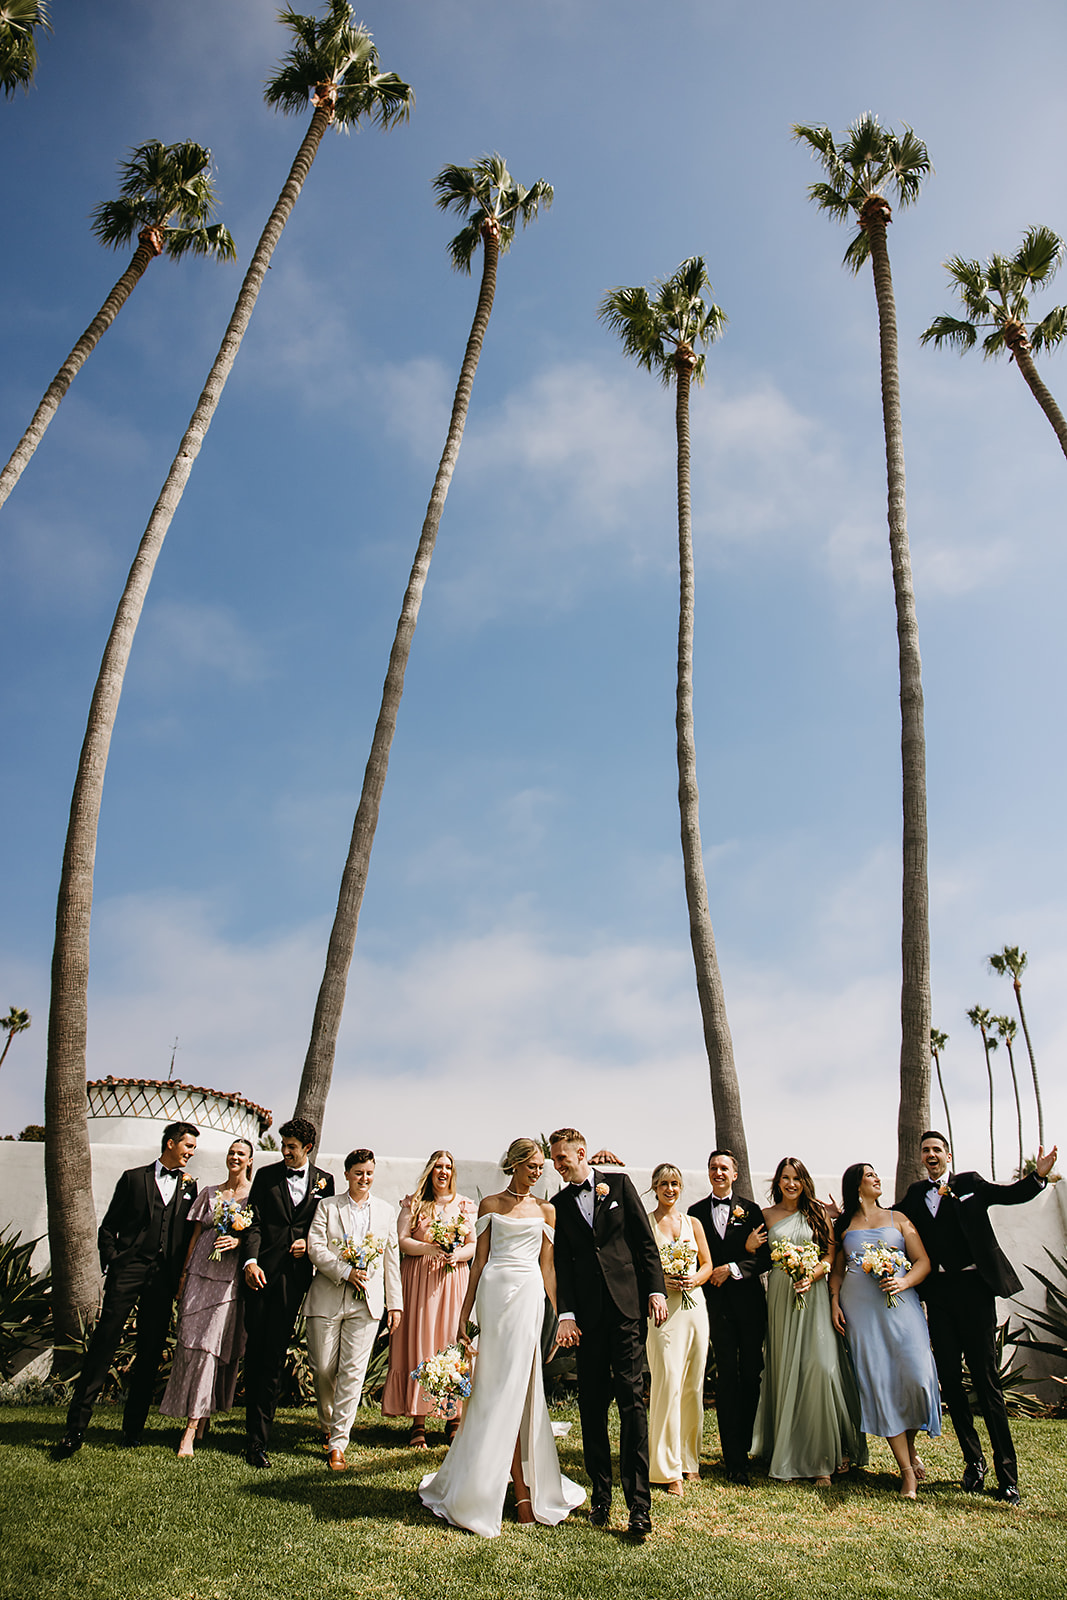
(345, 1303)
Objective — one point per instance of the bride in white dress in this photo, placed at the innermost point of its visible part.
(505, 1431)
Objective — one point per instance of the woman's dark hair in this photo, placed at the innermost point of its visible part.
(850, 1197)
(807, 1205)
(251, 1154)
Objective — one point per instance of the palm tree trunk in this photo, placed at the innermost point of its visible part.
(989, 1075)
(1025, 362)
(71, 1216)
(1018, 1103)
(322, 1046)
(914, 1109)
(148, 247)
(944, 1101)
(725, 1091)
(1033, 1064)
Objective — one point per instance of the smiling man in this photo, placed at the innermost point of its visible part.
(969, 1270)
(142, 1242)
(277, 1271)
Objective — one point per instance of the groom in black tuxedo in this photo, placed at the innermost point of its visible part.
(609, 1281)
(737, 1307)
(969, 1270)
(277, 1271)
(142, 1241)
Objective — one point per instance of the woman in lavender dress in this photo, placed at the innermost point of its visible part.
(211, 1335)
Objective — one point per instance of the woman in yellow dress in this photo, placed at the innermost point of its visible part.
(678, 1350)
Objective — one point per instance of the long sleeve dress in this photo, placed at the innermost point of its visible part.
(211, 1333)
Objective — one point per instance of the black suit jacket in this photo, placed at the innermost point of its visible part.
(617, 1254)
(972, 1195)
(731, 1248)
(124, 1232)
(276, 1224)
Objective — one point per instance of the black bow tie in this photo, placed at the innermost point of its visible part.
(723, 1202)
(290, 1174)
(935, 1183)
(168, 1172)
(578, 1187)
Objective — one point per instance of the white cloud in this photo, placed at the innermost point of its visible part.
(180, 637)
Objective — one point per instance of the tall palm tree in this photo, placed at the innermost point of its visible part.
(16, 1021)
(1013, 960)
(19, 21)
(978, 1017)
(1007, 1028)
(996, 294)
(870, 160)
(938, 1041)
(494, 204)
(333, 65)
(662, 331)
(160, 182)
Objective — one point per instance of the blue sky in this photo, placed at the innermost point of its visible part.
(523, 952)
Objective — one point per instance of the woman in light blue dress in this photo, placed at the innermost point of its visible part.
(890, 1344)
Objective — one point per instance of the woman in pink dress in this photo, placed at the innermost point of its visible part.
(434, 1280)
(211, 1335)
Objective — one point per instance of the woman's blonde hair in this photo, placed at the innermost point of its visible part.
(666, 1169)
(518, 1151)
(423, 1193)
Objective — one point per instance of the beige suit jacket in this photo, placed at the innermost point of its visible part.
(331, 1295)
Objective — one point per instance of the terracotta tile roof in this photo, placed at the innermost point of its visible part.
(265, 1116)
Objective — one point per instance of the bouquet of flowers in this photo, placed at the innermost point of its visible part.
(449, 1232)
(445, 1377)
(228, 1216)
(679, 1258)
(362, 1256)
(882, 1263)
(797, 1261)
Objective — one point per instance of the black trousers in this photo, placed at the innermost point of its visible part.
(611, 1366)
(961, 1313)
(737, 1332)
(270, 1316)
(148, 1285)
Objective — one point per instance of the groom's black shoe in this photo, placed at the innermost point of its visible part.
(600, 1514)
(1008, 1492)
(640, 1526)
(70, 1442)
(256, 1456)
(974, 1477)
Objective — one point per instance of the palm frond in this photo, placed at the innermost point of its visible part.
(908, 160)
(214, 240)
(482, 191)
(160, 182)
(652, 327)
(333, 50)
(858, 252)
(1050, 331)
(464, 247)
(1039, 257)
(19, 21)
(958, 335)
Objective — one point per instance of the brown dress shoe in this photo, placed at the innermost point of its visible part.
(337, 1461)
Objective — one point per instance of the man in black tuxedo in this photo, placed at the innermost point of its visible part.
(278, 1271)
(969, 1270)
(142, 1241)
(737, 1307)
(609, 1281)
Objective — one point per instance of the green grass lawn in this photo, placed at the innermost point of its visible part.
(117, 1524)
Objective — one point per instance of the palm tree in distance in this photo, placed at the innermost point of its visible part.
(870, 160)
(333, 66)
(938, 1041)
(494, 204)
(978, 1017)
(662, 332)
(1006, 1030)
(996, 294)
(16, 1021)
(1013, 960)
(160, 182)
(19, 21)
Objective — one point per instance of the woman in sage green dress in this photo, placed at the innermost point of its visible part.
(808, 1422)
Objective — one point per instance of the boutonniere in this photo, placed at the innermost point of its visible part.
(738, 1213)
(320, 1184)
(188, 1188)
(602, 1191)
(943, 1190)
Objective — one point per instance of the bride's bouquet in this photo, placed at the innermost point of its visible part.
(448, 1232)
(884, 1264)
(679, 1258)
(446, 1378)
(362, 1256)
(228, 1216)
(798, 1262)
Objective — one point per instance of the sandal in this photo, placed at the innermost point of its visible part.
(417, 1436)
(451, 1429)
(527, 1520)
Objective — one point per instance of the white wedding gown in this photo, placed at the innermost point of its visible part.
(508, 1397)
